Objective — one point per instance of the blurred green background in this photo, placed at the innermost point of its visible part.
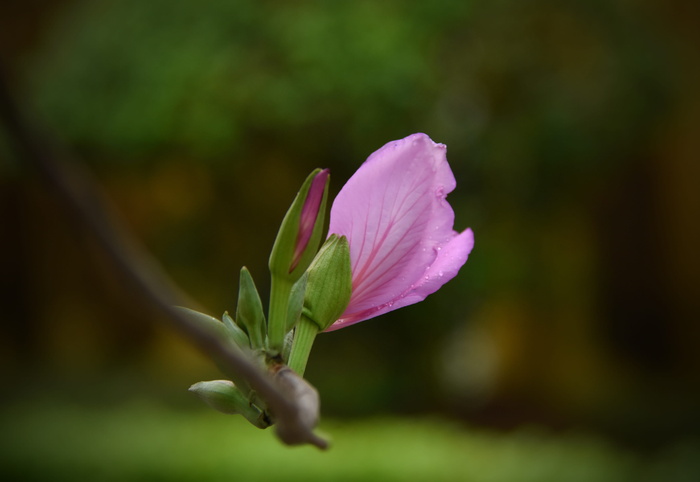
(568, 347)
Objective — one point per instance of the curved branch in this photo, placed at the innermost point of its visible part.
(85, 203)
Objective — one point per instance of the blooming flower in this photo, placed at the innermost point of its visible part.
(399, 227)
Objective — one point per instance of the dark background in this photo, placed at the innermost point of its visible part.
(572, 130)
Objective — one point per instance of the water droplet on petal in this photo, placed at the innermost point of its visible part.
(440, 273)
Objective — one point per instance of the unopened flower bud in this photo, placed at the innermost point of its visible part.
(329, 283)
(224, 396)
(301, 229)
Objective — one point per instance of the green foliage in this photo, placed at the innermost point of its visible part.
(141, 441)
(134, 75)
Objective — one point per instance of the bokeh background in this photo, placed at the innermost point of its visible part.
(568, 347)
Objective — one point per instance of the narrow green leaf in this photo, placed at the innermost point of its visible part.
(249, 312)
(235, 332)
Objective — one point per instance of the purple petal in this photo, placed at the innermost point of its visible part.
(400, 227)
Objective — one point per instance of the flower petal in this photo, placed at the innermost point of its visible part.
(394, 213)
(451, 257)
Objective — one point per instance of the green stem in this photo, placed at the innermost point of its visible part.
(304, 336)
(280, 291)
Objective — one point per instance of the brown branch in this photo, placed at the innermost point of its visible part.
(85, 202)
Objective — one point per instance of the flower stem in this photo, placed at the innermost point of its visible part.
(304, 336)
(280, 291)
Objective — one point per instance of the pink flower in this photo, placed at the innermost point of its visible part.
(400, 228)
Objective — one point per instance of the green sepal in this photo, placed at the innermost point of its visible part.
(282, 255)
(224, 396)
(206, 322)
(235, 332)
(296, 302)
(249, 312)
(329, 286)
(287, 347)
